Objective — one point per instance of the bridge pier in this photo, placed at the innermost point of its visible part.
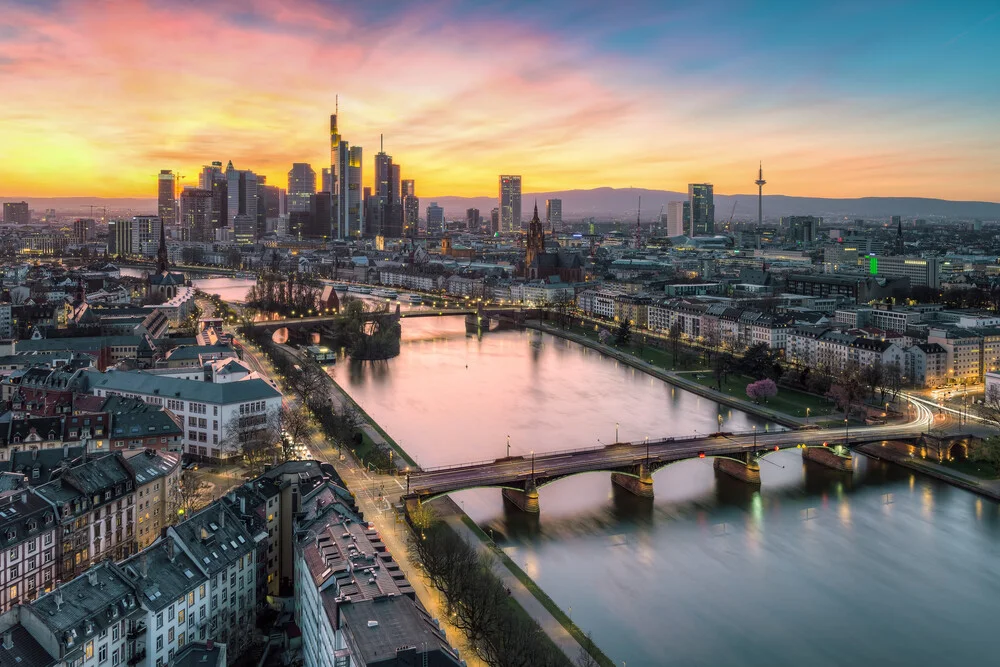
(638, 480)
(825, 456)
(743, 467)
(525, 500)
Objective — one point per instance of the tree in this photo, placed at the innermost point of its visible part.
(989, 409)
(604, 335)
(893, 379)
(847, 389)
(871, 376)
(762, 389)
(674, 335)
(295, 422)
(623, 334)
(724, 364)
(583, 657)
(191, 489)
(760, 361)
(253, 438)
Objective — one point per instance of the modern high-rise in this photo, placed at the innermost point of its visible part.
(16, 213)
(301, 185)
(702, 203)
(83, 229)
(319, 224)
(411, 207)
(472, 219)
(326, 180)
(269, 207)
(242, 193)
(355, 202)
(196, 215)
(386, 203)
(340, 184)
(553, 214)
(494, 221)
(213, 179)
(166, 202)
(678, 217)
(120, 237)
(435, 218)
(145, 235)
(244, 229)
(510, 203)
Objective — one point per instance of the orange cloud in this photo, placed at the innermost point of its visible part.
(100, 96)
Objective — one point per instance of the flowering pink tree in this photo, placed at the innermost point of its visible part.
(762, 389)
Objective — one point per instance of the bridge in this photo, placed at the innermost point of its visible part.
(632, 464)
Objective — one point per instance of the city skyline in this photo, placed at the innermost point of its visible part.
(836, 100)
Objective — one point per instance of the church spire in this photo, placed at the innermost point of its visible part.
(161, 253)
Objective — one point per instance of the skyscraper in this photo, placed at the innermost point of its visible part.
(386, 203)
(494, 221)
(472, 219)
(326, 180)
(510, 203)
(213, 179)
(268, 207)
(242, 193)
(435, 218)
(120, 237)
(702, 203)
(145, 235)
(553, 214)
(83, 229)
(301, 184)
(166, 201)
(340, 168)
(319, 225)
(678, 217)
(16, 213)
(196, 215)
(355, 203)
(411, 207)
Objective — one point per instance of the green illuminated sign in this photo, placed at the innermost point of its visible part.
(873, 265)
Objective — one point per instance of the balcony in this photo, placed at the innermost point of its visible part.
(136, 658)
(137, 630)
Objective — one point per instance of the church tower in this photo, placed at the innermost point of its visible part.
(536, 241)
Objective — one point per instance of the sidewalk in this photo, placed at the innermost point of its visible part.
(985, 487)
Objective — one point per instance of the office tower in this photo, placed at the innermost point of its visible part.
(760, 183)
(340, 174)
(411, 207)
(196, 215)
(83, 229)
(209, 174)
(167, 198)
(301, 184)
(145, 235)
(494, 221)
(472, 219)
(241, 194)
(510, 203)
(802, 228)
(244, 229)
(553, 214)
(16, 213)
(435, 218)
(368, 204)
(702, 216)
(386, 201)
(326, 180)
(268, 205)
(120, 237)
(355, 205)
(678, 217)
(320, 222)
(213, 179)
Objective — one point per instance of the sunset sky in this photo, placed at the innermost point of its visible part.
(839, 99)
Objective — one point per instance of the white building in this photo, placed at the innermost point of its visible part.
(207, 409)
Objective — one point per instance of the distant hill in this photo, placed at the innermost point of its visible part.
(620, 203)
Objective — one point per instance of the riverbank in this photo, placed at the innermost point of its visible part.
(672, 377)
(986, 488)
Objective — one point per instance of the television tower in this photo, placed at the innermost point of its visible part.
(760, 182)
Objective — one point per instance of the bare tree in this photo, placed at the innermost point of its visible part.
(254, 439)
(989, 409)
(872, 376)
(584, 658)
(191, 489)
(295, 422)
(675, 340)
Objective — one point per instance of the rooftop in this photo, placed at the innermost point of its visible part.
(215, 537)
(162, 573)
(193, 390)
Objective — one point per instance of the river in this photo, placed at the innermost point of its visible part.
(815, 568)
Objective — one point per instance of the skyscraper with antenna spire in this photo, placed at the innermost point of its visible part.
(760, 182)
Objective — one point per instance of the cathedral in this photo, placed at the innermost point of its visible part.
(162, 285)
(542, 265)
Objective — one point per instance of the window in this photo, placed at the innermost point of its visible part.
(114, 633)
(180, 616)
(159, 620)
(180, 640)
(114, 658)
(102, 653)
(12, 592)
(170, 635)
(191, 598)
(170, 613)
(88, 650)
(201, 592)
(159, 644)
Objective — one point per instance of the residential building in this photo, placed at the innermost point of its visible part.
(157, 483)
(964, 352)
(196, 216)
(16, 213)
(94, 504)
(927, 365)
(28, 537)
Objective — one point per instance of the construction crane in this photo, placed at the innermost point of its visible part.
(660, 219)
(729, 225)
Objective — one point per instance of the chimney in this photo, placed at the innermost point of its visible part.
(34, 454)
(222, 517)
(65, 451)
(209, 645)
(170, 548)
(92, 576)
(59, 599)
(24, 497)
(243, 505)
(8, 640)
(143, 566)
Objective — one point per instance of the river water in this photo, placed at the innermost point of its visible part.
(882, 567)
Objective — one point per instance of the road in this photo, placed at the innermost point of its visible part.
(431, 482)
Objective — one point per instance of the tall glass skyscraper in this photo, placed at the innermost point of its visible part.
(166, 198)
(510, 203)
(301, 184)
(702, 203)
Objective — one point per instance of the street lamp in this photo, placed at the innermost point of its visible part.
(754, 438)
(532, 465)
(508, 446)
(847, 432)
(616, 433)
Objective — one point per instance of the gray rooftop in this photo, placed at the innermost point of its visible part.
(398, 622)
(215, 537)
(192, 390)
(25, 651)
(150, 465)
(159, 579)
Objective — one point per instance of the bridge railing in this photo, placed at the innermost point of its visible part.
(541, 456)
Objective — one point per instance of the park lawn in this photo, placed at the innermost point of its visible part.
(789, 401)
(686, 358)
(974, 468)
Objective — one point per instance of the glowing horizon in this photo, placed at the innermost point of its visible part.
(846, 101)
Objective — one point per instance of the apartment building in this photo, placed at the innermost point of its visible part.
(157, 483)
(28, 536)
